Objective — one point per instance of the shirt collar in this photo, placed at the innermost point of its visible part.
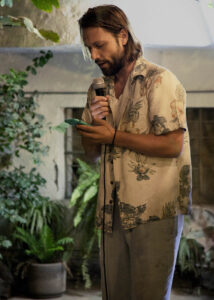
(140, 69)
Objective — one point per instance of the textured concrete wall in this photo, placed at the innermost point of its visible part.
(62, 20)
(67, 77)
(69, 72)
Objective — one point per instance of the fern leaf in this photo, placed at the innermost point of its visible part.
(65, 241)
(77, 193)
(32, 228)
(46, 238)
(39, 221)
(90, 193)
(28, 239)
(81, 188)
(83, 166)
(85, 274)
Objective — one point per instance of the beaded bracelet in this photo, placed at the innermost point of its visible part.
(115, 131)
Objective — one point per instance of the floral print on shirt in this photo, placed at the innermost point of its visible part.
(147, 188)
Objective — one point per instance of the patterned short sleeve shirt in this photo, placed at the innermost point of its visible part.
(147, 188)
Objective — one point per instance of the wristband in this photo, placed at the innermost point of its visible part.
(115, 131)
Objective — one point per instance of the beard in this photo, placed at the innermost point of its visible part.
(111, 68)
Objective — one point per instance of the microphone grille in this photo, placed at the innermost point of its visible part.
(98, 83)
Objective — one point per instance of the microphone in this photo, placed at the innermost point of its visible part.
(99, 86)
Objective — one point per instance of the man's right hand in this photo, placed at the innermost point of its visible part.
(100, 107)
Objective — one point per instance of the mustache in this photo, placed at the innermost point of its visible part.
(100, 62)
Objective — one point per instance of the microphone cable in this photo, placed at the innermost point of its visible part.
(103, 225)
(100, 90)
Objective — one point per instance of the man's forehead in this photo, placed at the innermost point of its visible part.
(94, 34)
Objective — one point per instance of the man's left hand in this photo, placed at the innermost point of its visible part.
(100, 133)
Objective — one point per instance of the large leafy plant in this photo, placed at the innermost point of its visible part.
(83, 201)
(43, 247)
(21, 128)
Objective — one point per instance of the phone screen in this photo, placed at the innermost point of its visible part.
(74, 122)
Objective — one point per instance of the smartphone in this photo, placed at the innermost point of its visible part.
(75, 122)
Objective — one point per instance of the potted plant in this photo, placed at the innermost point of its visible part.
(46, 268)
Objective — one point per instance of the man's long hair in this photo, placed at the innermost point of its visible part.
(112, 19)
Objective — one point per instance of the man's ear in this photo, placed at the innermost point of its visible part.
(123, 36)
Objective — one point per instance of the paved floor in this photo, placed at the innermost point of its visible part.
(96, 295)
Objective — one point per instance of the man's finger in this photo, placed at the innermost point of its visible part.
(87, 128)
(98, 121)
(88, 135)
(99, 99)
(99, 108)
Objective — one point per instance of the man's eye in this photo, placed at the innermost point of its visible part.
(99, 46)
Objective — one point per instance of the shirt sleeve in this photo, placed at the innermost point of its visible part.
(86, 115)
(167, 104)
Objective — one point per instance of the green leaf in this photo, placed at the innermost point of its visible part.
(46, 5)
(49, 35)
(77, 219)
(6, 244)
(75, 195)
(48, 55)
(8, 3)
(30, 27)
(55, 3)
(87, 180)
(211, 4)
(83, 165)
(61, 127)
(9, 21)
(65, 241)
(90, 193)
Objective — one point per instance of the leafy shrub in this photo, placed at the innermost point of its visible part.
(21, 128)
(84, 202)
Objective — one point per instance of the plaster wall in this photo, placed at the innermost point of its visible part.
(65, 80)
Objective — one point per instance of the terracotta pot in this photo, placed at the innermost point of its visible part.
(46, 280)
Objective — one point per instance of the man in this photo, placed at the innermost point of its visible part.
(139, 129)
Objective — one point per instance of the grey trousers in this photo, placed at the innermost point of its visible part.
(140, 263)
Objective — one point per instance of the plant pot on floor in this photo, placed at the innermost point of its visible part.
(46, 280)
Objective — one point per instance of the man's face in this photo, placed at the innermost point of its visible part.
(106, 50)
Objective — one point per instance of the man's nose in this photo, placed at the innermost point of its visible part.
(94, 54)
